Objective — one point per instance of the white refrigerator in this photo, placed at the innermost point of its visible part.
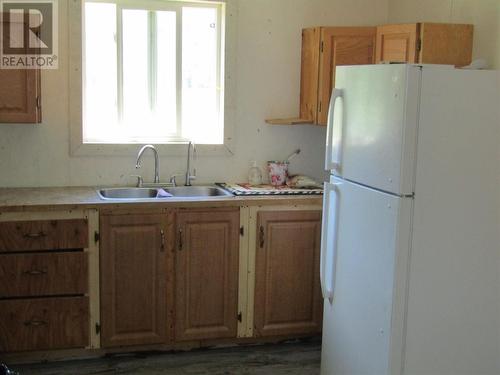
(410, 258)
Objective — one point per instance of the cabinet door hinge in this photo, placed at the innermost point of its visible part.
(261, 237)
(97, 329)
(419, 45)
(240, 317)
(322, 46)
(242, 230)
(97, 237)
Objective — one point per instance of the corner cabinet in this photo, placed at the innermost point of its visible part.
(323, 49)
(425, 43)
(134, 275)
(206, 274)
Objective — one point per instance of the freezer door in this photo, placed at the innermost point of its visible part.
(363, 312)
(372, 128)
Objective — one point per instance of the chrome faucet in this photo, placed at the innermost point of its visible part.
(190, 176)
(157, 161)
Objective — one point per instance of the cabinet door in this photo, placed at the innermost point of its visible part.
(397, 43)
(206, 274)
(133, 279)
(341, 46)
(287, 289)
(449, 44)
(309, 74)
(20, 96)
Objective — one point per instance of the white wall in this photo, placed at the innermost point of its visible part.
(267, 70)
(483, 14)
(266, 84)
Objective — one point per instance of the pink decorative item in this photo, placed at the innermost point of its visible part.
(278, 172)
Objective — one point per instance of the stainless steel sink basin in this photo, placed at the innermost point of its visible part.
(197, 191)
(134, 193)
(130, 193)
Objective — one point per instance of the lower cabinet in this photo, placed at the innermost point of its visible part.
(287, 289)
(133, 279)
(206, 274)
(44, 284)
(175, 275)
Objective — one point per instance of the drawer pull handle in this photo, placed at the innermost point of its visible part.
(35, 272)
(35, 235)
(35, 323)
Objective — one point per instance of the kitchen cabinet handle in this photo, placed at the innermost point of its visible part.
(261, 236)
(36, 323)
(180, 239)
(35, 272)
(162, 238)
(34, 235)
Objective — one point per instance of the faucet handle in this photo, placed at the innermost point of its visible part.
(172, 178)
(140, 180)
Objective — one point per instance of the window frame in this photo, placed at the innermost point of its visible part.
(166, 146)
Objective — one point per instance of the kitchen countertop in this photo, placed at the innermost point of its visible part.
(62, 198)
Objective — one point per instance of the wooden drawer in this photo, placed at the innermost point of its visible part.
(42, 324)
(43, 235)
(23, 275)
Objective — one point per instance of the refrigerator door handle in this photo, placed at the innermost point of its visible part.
(332, 163)
(329, 241)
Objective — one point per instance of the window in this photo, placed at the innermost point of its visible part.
(153, 72)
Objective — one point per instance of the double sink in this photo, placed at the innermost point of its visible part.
(136, 193)
(158, 191)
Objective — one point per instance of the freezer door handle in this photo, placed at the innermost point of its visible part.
(332, 162)
(329, 239)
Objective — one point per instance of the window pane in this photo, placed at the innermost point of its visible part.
(166, 99)
(132, 91)
(100, 97)
(200, 94)
(136, 108)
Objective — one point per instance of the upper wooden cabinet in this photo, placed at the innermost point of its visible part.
(287, 290)
(206, 274)
(20, 96)
(340, 46)
(323, 49)
(134, 273)
(426, 43)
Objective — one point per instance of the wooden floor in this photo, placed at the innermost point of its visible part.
(297, 358)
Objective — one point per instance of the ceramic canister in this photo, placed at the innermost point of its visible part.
(278, 172)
